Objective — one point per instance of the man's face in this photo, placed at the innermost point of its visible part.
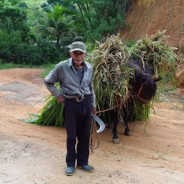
(78, 57)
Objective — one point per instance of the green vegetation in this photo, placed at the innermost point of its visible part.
(38, 32)
(160, 56)
(50, 114)
(111, 72)
(14, 65)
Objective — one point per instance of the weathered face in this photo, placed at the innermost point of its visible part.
(78, 57)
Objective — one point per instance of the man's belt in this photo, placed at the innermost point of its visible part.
(79, 98)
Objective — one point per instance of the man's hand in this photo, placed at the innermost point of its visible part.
(60, 99)
(93, 111)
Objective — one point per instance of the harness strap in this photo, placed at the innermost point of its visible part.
(105, 110)
(140, 90)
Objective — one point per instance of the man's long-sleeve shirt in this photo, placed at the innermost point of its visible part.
(65, 73)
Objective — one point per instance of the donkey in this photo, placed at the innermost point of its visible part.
(142, 87)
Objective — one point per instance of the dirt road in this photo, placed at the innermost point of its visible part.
(30, 154)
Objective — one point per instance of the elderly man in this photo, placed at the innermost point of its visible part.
(75, 77)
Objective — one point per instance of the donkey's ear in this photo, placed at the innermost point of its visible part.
(157, 79)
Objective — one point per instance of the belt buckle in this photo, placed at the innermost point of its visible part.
(79, 99)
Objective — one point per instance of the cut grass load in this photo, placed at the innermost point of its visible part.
(159, 55)
(111, 72)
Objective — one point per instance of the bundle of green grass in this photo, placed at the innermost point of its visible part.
(111, 75)
(111, 72)
(111, 80)
(157, 53)
(50, 115)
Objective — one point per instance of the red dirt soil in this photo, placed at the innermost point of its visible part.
(31, 154)
(147, 16)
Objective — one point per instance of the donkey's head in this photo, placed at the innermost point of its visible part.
(143, 84)
(144, 87)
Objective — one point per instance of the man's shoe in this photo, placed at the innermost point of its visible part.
(87, 168)
(69, 171)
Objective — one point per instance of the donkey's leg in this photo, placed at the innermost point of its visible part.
(127, 131)
(126, 117)
(115, 138)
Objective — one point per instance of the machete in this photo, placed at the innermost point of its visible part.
(100, 122)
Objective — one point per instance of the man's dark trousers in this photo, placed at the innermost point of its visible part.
(77, 118)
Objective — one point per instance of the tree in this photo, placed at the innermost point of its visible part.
(54, 24)
(14, 18)
(111, 14)
(96, 19)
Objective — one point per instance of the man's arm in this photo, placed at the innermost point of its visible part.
(50, 80)
(93, 97)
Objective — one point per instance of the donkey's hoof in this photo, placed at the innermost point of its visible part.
(116, 141)
(127, 132)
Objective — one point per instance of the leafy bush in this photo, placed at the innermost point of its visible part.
(13, 49)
